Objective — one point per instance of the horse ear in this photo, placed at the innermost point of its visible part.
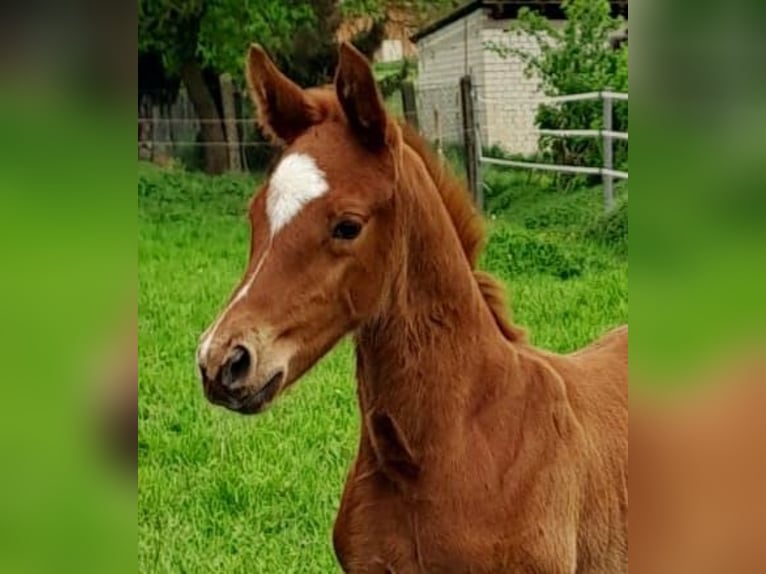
(359, 97)
(283, 110)
(394, 454)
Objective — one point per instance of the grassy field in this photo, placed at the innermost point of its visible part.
(219, 492)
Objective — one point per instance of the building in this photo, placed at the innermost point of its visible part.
(455, 45)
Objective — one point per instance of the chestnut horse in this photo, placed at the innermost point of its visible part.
(478, 452)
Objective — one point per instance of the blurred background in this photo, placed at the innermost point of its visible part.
(211, 488)
(68, 287)
(697, 311)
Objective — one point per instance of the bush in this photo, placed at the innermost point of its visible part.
(537, 229)
(511, 252)
(558, 216)
(534, 199)
(391, 76)
(611, 229)
(172, 194)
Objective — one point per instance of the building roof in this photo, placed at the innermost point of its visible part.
(505, 10)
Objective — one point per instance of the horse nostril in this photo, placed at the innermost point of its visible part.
(236, 367)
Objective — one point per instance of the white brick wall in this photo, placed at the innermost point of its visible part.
(507, 98)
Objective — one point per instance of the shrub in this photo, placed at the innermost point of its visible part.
(391, 76)
(173, 194)
(611, 229)
(534, 199)
(511, 252)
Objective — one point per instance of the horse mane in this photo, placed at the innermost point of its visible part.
(469, 226)
(467, 221)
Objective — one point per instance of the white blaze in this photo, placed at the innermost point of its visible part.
(204, 348)
(295, 182)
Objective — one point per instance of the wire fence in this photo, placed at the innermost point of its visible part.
(440, 111)
(172, 132)
(439, 114)
(473, 128)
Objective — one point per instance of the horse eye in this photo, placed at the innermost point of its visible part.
(346, 229)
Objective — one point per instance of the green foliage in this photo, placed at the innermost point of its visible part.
(219, 492)
(612, 228)
(575, 58)
(217, 32)
(309, 54)
(539, 230)
(415, 12)
(512, 252)
(391, 76)
(300, 34)
(174, 194)
(537, 195)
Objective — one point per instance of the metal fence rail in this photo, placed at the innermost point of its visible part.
(585, 133)
(607, 135)
(555, 167)
(583, 97)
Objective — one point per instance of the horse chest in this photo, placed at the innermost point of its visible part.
(372, 528)
(378, 530)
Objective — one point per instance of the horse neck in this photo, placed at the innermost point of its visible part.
(423, 358)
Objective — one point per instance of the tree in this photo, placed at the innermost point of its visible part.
(201, 39)
(199, 36)
(581, 56)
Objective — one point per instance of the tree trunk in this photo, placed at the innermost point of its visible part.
(160, 154)
(230, 121)
(216, 154)
(145, 128)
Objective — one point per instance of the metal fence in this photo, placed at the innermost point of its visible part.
(456, 118)
(606, 134)
(459, 116)
(439, 114)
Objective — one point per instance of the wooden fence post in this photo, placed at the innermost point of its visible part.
(608, 153)
(438, 132)
(161, 142)
(409, 104)
(472, 150)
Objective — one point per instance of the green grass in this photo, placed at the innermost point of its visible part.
(223, 493)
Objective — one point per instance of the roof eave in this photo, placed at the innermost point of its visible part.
(453, 16)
